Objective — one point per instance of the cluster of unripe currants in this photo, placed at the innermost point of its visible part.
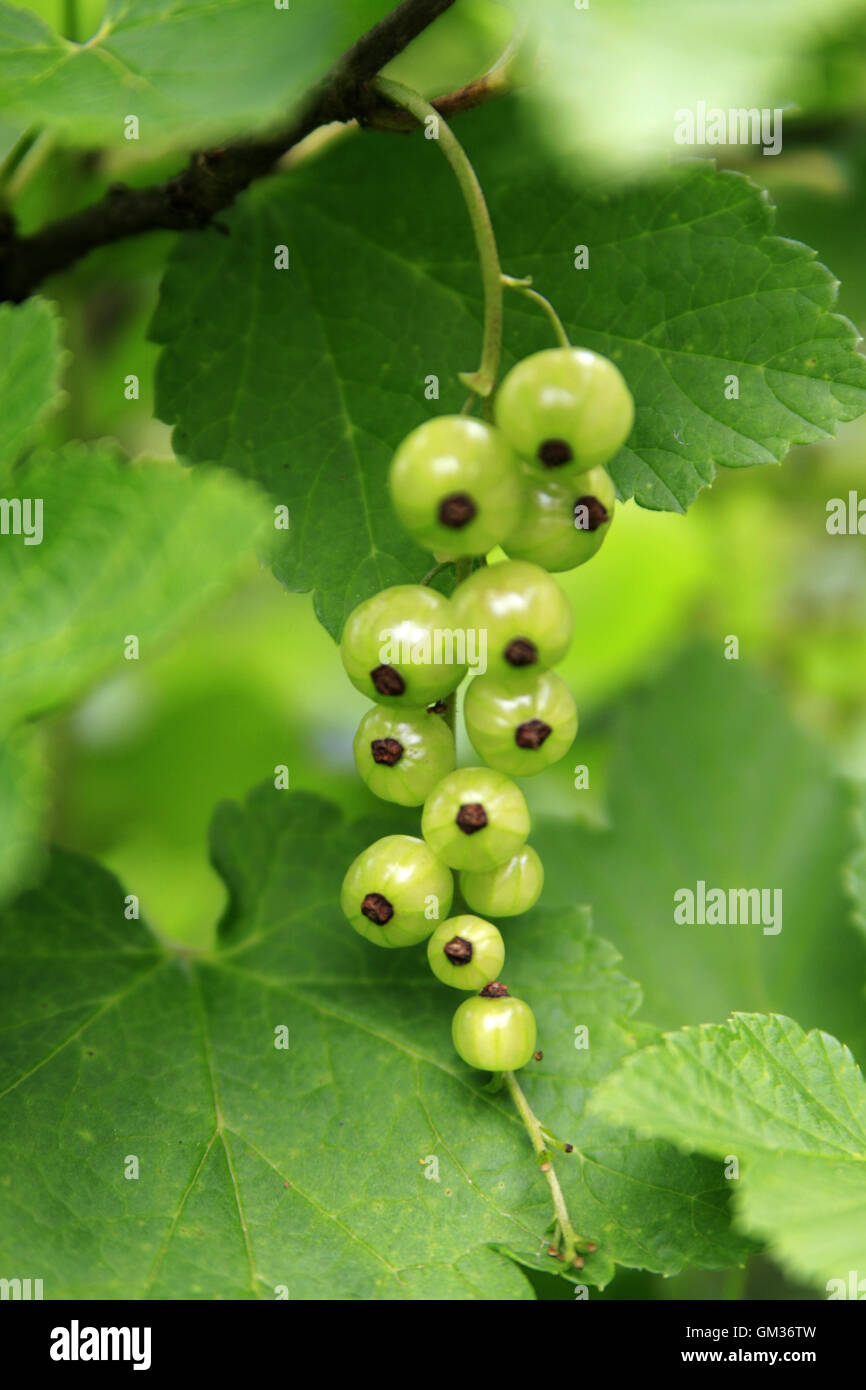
(534, 483)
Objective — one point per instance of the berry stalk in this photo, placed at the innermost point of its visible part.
(483, 381)
(524, 287)
(436, 570)
(568, 1241)
(462, 570)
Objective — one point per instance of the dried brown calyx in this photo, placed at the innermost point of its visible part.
(376, 908)
(521, 652)
(457, 510)
(532, 734)
(458, 950)
(590, 513)
(388, 681)
(386, 750)
(554, 453)
(495, 990)
(471, 817)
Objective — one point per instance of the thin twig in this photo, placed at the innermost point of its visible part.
(503, 77)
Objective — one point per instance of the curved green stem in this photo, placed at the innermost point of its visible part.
(570, 1244)
(462, 570)
(556, 1143)
(495, 1084)
(483, 381)
(437, 569)
(524, 287)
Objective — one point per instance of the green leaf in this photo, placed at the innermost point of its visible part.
(21, 809)
(30, 363)
(310, 1167)
(127, 549)
(789, 1105)
(321, 369)
(711, 782)
(252, 62)
(10, 133)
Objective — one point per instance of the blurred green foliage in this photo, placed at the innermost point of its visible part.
(255, 682)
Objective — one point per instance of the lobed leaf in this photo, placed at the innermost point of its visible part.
(182, 67)
(311, 1168)
(321, 369)
(789, 1105)
(30, 363)
(126, 550)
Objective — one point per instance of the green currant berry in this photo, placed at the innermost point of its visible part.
(520, 723)
(466, 952)
(563, 520)
(396, 891)
(475, 818)
(510, 888)
(402, 754)
(455, 486)
(494, 1031)
(525, 615)
(399, 646)
(565, 408)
